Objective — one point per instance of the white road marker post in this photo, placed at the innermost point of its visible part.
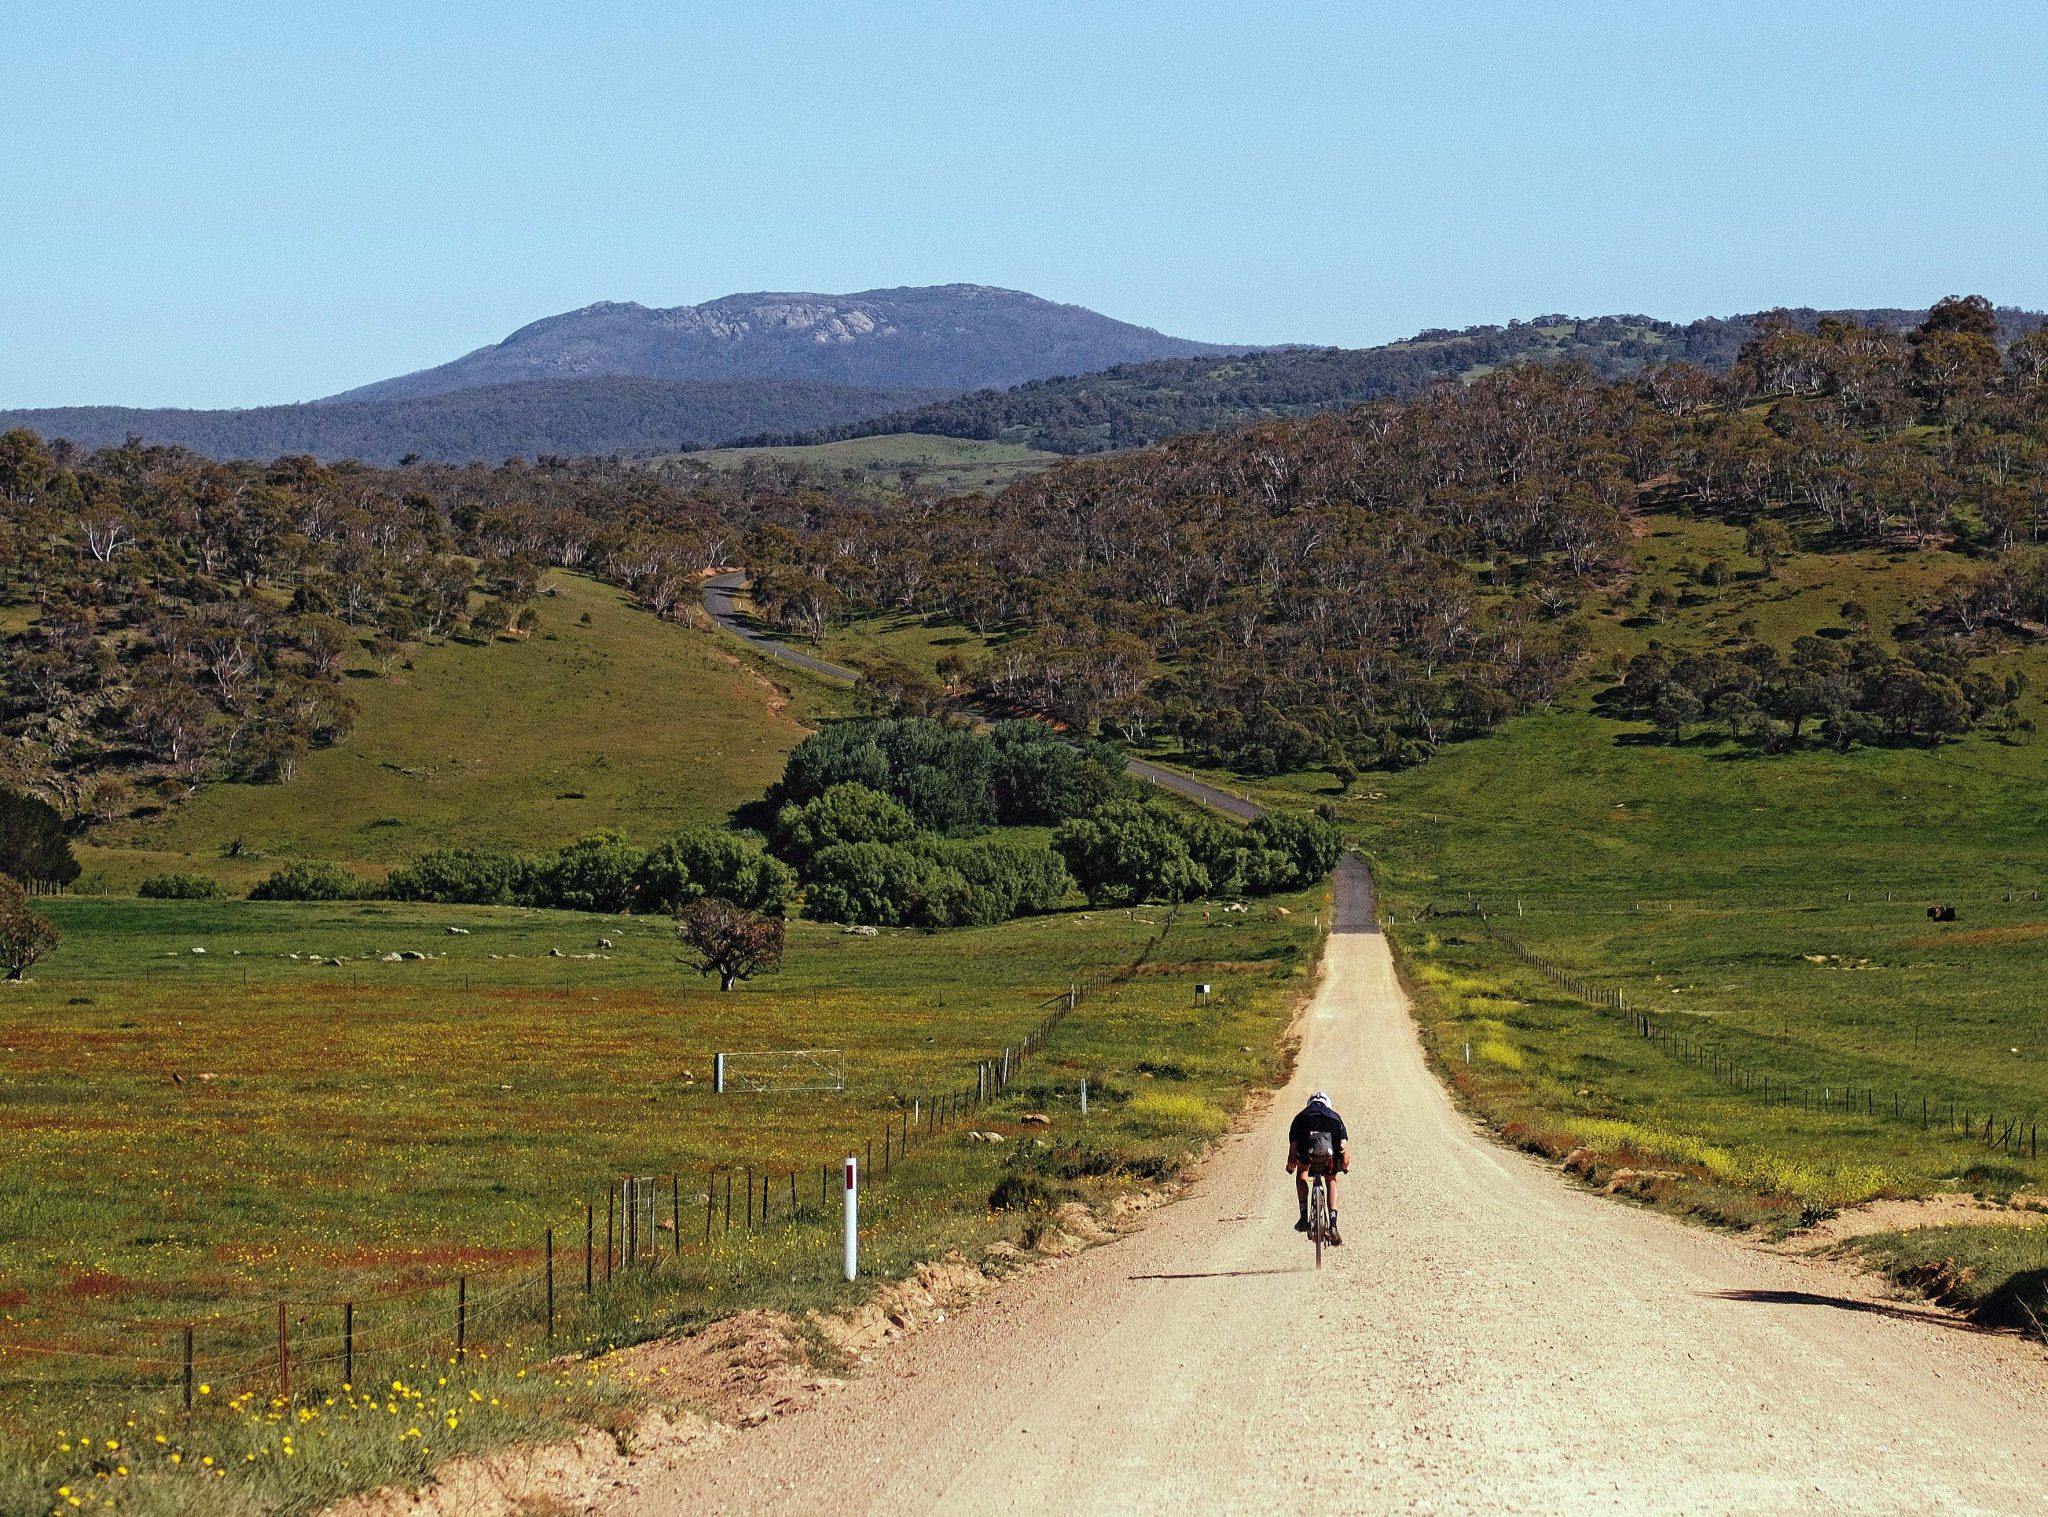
(852, 1217)
(1084, 1096)
(718, 1074)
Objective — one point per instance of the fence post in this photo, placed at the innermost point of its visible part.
(461, 1318)
(188, 1366)
(1084, 1095)
(629, 1199)
(589, 1247)
(718, 1074)
(750, 1198)
(675, 1208)
(852, 1218)
(348, 1343)
(284, 1357)
(611, 1230)
(551, 1282)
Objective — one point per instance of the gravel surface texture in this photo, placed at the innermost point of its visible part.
(1490, 1339)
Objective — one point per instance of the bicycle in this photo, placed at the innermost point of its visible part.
(1318, 1211)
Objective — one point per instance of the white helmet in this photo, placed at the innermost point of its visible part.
(1319, 1099)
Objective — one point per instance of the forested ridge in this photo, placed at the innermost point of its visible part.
(569, 416)
(1135, 404)
(1353, 589)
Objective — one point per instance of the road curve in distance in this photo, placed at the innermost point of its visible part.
(719, 606)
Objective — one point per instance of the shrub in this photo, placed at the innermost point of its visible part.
(313, 882)
(595, 873)
(711, 861)
(846, 812)
(1037, 779)
(1009, 879)
(1303, 849)
(939, 773)
(882, 885)
(1130, 851)
(462, 877)
(180, 887)
(1019, 1191)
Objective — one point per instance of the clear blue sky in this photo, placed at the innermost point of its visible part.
(236, 203)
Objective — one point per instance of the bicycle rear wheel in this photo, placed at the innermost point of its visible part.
(1319, 1216)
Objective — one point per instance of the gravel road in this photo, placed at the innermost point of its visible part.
(1489, 1340)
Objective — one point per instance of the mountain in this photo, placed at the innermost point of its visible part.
(943, 337)
(558, 416)
(1135, 404)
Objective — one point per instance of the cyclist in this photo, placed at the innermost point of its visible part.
(1315, 1142)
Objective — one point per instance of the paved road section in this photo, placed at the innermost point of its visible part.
(1490, 1340)
(719, 606)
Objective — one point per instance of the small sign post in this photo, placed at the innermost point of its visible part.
(852, 1217)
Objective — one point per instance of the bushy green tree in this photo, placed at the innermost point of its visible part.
(884, 885)
(594, 873)
(1007, 879)
(312, 881)
(701, 862)
(25, 934)
(940, 773)
(463, 877)
(1308, 845)
(1038, 780)
(1129, 851)
(33, 848)
(845, 812)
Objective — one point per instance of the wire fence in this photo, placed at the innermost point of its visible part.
(292, 1347)
(2007, 1132)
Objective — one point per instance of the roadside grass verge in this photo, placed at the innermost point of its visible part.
(373, 1131)
(1997, 1275)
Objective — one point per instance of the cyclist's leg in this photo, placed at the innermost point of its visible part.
(1301, 1198)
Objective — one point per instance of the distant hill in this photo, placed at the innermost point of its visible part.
(571, 417)
(944, 337)
(1135, 404)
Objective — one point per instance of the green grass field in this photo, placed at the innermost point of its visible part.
(193, 1137)
(915, 642)
(1772, 908)
(949, 463)
(623, 721)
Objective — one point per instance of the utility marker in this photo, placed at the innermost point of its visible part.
(852, 1217)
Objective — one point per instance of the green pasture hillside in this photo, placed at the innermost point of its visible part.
(604, 717)
(1770, 908)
